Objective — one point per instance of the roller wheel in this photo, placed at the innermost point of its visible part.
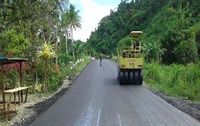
(118, 76)
(132, 77)
(121, 78)
(126, 77)
(129, 80)
(136, 77)
(141, 78)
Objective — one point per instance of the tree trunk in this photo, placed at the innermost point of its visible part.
(44, 86)
(66, 46)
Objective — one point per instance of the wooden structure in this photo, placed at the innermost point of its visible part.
(19, 91)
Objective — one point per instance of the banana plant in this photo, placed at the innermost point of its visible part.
(153, 51)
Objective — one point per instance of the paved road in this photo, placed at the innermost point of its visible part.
(96, 99)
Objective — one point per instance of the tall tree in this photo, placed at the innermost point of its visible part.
(71, 21)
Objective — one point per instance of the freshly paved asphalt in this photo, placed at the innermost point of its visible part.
(96, 99)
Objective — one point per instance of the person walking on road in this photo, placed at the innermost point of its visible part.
(100, 60)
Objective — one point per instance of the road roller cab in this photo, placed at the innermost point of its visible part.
(130, 62)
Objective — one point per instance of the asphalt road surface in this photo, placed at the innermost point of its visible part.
(96, 99)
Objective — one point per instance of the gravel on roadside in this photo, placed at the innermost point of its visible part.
(186, 106)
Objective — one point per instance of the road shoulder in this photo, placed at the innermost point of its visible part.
(186, 106)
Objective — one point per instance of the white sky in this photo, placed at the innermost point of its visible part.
(91, 13)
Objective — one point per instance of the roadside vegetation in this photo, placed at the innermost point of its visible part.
(42, 32)
(181, 81)
(171, 42)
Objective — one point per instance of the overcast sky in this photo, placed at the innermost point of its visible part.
(91, 12)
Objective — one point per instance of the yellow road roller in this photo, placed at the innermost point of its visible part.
(131, 62)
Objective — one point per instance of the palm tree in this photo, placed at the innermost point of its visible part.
(71, 20)
(62, 5)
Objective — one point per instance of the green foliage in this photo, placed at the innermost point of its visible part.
(38, 21)
(186, 51)
(26, 25)
(168, 37)
(181, 47)
(169, 28)
(64, 58)
(46, 52)
(54, 81)
(176, 80)
(124, 43)
(71, 18)
(13, 42)
(196, 30)
(128, 17)
(153, 51)
(12, 79)
(196, 27)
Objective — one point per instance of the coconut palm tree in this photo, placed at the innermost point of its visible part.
(71, 20)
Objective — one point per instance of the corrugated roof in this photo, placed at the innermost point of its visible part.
(4, 60)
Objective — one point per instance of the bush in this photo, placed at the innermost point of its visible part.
(64, 58)
(12, 79)
(14, 43)
(56, 78)
(54, 82)
(176, 80)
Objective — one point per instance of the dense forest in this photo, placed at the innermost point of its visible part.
(171, 30)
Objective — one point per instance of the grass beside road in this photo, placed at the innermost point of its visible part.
(175, 80)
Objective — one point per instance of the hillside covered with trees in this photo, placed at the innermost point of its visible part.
(171, 30)
(171, 42)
